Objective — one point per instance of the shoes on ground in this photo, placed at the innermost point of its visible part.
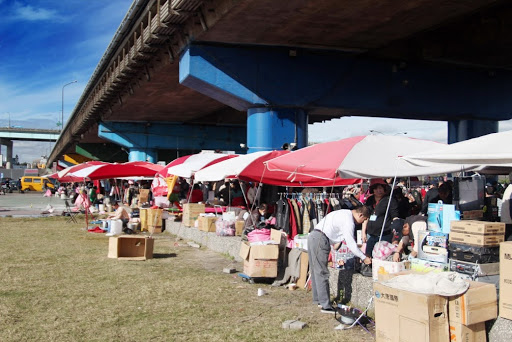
(328, 311)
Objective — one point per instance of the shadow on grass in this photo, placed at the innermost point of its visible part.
(163, 256)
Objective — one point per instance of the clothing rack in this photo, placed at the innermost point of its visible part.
(310, 195)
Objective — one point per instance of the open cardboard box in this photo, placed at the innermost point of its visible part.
(130, 247)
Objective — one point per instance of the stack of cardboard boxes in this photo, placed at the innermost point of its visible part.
(474, 248)
(506, 280)
(407, 316)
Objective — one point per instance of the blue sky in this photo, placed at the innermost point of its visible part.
(46, 44)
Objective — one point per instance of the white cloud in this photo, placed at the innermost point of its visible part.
(29, 13)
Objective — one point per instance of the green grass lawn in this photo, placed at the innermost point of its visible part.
(57, 284)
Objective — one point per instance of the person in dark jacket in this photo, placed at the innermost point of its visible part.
(257, 215)
(378, 203)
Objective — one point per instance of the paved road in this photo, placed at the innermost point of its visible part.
(28, 204)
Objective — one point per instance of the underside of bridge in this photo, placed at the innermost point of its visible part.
(394, 53)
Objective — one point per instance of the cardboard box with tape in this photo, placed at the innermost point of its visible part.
(477, 305)
(409, 317)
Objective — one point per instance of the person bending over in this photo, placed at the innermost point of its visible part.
(334, 228)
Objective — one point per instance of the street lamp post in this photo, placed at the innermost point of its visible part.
(62, 113)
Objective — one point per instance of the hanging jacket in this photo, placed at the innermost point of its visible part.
(283, 215)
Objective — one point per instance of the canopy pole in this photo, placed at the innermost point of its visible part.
(389, 201)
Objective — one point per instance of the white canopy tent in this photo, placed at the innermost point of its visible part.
(473, 154)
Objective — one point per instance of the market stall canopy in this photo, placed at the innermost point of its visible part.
(188, 165)
(488, 150)
(76, 168)
(65, 179)
(251, 167)
(95, 170)
(368, 156)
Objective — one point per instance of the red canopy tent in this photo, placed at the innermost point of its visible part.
(101, 170)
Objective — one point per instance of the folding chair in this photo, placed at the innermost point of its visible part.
(71, 213)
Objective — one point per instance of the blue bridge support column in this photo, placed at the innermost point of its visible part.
(467, 129)
(146, 154)
(143, 140)
(271, 128)
(256, 79)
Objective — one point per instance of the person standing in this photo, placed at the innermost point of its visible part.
(335, 227)
(378, 205)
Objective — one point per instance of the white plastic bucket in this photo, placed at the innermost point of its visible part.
(116, 227)
(106, 225)
(102, 207)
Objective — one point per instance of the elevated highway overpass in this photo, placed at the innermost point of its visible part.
(188, 74)
(9, 134)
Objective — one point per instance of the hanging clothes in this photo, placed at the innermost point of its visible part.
(283, 215)
(293, 221)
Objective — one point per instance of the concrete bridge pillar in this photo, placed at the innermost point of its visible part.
(148, 154)
(270, 128)
(460, 130)
(8, 154)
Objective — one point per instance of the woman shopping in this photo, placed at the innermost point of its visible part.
(378, 203)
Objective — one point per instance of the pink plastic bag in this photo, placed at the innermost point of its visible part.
(259, 235)
(383, 250)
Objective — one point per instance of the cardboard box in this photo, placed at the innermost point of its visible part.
(207, 223)
(477, 240)
(130, 247)
(506, 280)
(477, 305)
(278, 236)
(154, 220)
(471, 333)
(143, 195)
(409, 317)
(304, 264)
(472, 214)
(478, 227)
(239, 227)
(385, 267)
(150, 220)
(191, 212)
(143, 216)
(259, 260)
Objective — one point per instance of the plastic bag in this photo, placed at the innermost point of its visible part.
(256, 235)
(383, 250)
(224, 228)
